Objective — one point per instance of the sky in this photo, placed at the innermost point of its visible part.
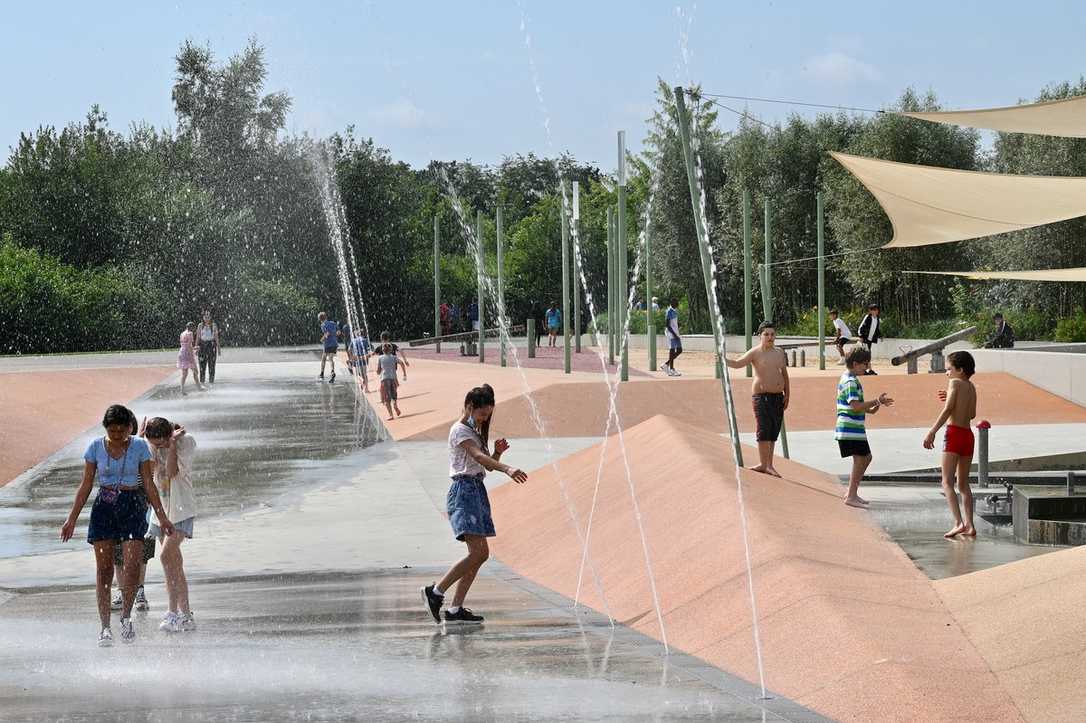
(484, 80)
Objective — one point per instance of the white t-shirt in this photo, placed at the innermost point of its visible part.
(178, 497)
(874, 327)
(460, 462)
(207, 332)
(842, 327)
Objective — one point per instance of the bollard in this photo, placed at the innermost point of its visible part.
(802, 357)
(793, 358)
(910, 365)
(530, 326)
(938, 363)
(982, 452)
(1070, 483)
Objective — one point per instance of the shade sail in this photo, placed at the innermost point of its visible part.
(930, 205)
(1075, 274)
(1066, 117)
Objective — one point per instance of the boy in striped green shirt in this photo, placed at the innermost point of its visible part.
(850, 433)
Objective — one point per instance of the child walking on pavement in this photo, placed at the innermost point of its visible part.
(851, 433)
(386, 369)
(959, 409)
(467, 502)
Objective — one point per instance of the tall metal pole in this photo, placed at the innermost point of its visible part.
(577, 267)
(706, 267)
(767, 301)
(821, 286)
(479, 257)
(650, 320)
(437, 281)
(501, 280)
(565, 281)
(748, 320)
(610, 285)
(623, 260)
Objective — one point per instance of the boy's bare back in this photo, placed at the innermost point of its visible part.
(962, 399)
(770, 369)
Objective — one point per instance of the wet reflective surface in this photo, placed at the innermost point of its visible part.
(358, 646)
(916, 518)
(263, 431)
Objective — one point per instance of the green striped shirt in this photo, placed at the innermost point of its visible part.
(850, 423)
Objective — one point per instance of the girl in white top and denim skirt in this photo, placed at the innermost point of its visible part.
(468, 504)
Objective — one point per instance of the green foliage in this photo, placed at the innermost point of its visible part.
(1072, 328)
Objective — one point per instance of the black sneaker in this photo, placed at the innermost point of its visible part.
(433, 602)
(332, 378)
(871, 373)
(463, 616)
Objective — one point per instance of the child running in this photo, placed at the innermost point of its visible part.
(769, 393)
(358, 357)
(959, 410)
(329, 344)
(121, 464)
(674, 341)
(467, 502)
(851, 432)
(386, 369)
(173, 451)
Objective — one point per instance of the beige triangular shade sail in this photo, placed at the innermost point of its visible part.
(1065, 117)
(1075, 274)
(930, 205)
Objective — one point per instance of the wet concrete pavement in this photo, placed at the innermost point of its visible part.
(309, 552)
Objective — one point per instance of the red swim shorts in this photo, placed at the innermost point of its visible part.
(958, 440)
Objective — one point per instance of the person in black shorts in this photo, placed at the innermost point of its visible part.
(771, 390)
(851, 432)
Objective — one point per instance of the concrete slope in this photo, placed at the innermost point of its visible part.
(45, 410)
(848, 626)
(580, 409)
(1026, 619)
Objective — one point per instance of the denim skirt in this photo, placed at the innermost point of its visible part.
(118, 514)
(469, 507)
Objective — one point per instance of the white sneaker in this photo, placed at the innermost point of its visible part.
(675, 372)
(171, 623)
(117, 602)
(141, 600)
(841, 361)
(128, 633)
(105, 638)
(188, 622)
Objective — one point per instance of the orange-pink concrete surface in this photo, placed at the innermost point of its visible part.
(849, 626)
(580, 409)
(44, 410)
(1026, 619)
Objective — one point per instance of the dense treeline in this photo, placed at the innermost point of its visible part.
(114, 240)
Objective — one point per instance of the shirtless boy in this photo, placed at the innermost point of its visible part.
(959, 409)
(770, 392)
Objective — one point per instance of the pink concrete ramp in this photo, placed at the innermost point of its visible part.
(849, 627)
(45, 410)
(1026, 619)
(573, 408)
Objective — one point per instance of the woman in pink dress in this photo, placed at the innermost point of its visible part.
(186, 358)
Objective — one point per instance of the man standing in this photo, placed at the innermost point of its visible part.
(675, 342)
(870, 331)
(1004, 334)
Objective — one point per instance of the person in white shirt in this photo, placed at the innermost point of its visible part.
(842, 334)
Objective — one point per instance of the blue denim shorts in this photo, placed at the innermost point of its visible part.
(118, 514)
(469, 507)
(184, 527)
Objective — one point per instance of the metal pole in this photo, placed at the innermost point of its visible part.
(565, 282)
(748, 320)
(530, 329)
(610, 285)
(623, 260)
(650, 321)
(821, 285)
(982, 453)
(706, 267)
(479, 270)
(767, 300)
(437, 281)
(501, 281)
(577, 268)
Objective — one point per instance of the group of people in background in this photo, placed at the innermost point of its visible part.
(457, 318)
(199, 351)
(388, 358)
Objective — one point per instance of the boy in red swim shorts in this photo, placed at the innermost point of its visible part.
(959, 409)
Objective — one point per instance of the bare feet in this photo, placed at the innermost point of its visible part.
(856, 502)
(759, 468)
(969, 531)
(773, 472)
(862, 500)
(954, 531)
(390, 419)
(398, 412)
